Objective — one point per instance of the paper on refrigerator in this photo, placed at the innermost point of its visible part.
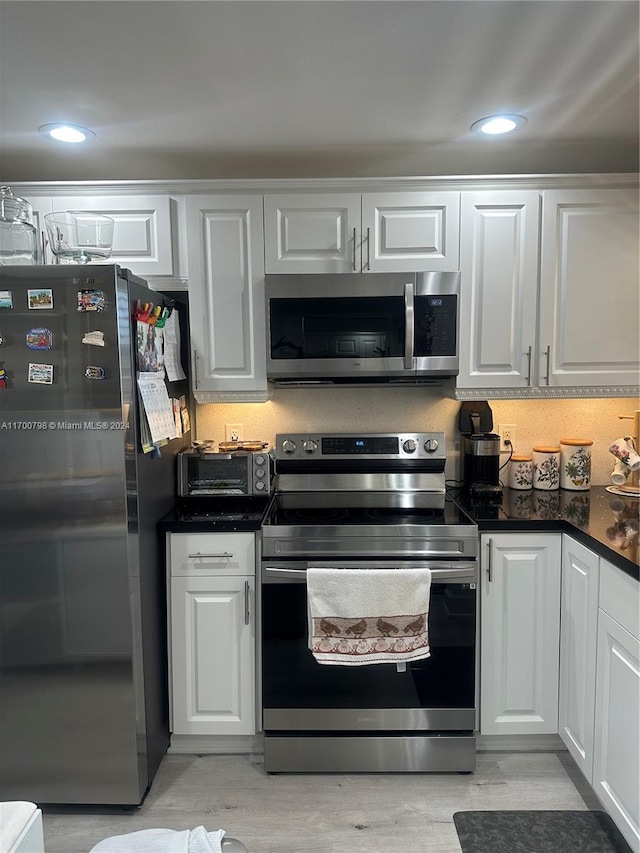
(158, 407)
(172, 348)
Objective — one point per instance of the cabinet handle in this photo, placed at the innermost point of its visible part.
(247, 614)
(354, 250)
(195, 365)
(490, 561)
(529, 366)
(368, 252)
(548, 357)
(200, 556)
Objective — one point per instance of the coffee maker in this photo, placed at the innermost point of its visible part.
(480, 452)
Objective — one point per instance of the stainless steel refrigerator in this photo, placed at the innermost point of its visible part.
(83, 661)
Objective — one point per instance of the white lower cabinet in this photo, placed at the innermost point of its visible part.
(520, 626)
(616, 761)
(212, 633)
(578, 630)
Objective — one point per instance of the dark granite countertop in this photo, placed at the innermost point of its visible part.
(606, 523)
(216, 515)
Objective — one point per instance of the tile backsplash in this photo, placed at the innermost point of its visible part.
(421, 409)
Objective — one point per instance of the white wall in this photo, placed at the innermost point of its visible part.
(421, 409)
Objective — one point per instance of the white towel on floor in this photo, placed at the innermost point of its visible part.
(365, 616)
(196, 840)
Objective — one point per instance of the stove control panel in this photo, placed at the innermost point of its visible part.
(429, 445)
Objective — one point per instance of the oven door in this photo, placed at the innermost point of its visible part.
(434, 694)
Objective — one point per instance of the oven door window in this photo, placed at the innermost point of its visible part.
(292, 678)
(363, 328)
(208, 475)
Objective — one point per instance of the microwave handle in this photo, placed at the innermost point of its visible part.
(409, 323)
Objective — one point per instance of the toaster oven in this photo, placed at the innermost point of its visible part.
(206, 473)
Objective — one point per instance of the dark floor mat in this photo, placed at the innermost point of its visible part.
(538, 832)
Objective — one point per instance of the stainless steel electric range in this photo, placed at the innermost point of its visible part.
(367, 500)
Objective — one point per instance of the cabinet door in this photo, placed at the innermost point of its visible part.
(520, 628)
(498, 288)
(142, 236)
(410, 232)
(212, 655)
(307, 233)
(589, 293)
(226, 293)
(616, 765)
(578, 631)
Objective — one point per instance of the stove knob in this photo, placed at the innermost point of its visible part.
(409, 446)
(288, 446)
(310, 446)
(431, 445)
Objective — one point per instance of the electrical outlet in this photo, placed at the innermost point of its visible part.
(234, 432)
(507, 432)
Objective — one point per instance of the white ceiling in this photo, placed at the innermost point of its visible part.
(179, 89)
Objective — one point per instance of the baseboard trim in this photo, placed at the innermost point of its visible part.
(216, 744)
(519, 743)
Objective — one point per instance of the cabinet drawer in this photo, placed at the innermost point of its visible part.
(620, 597)
(199, 554)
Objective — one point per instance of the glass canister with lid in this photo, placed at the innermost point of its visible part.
(18, 236)
(575, 463)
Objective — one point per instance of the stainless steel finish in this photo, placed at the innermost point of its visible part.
(354, 250)
(247, 592)
(378, 482)
(368, 249)
(529, 366)
(200, 556)
(409, 325)
(372, 754)
(366, 284)
(353, 541)
(481, 446)
(490, 560)
(368, 719)
(548, 358)
(244, 472)
(431, 445)
(462, 571)
(83, 702)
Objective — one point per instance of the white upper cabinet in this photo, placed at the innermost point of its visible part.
(312, 233)
(226, 293)
(557, 312)
(142, 233)
(498, 286)
(373, 232)
(589, 289)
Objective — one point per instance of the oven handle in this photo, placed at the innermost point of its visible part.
(454, 572)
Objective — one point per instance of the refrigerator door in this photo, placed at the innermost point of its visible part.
(73, 701)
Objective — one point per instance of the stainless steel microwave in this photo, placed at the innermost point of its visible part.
(360, 328)
(203, 473)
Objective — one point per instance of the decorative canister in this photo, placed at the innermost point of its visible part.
(546, 467)
(575, 463)
(520, 472)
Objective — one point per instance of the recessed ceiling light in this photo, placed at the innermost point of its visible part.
(61, 132)
(496, 125)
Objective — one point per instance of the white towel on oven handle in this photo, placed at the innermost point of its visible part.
(368, 615)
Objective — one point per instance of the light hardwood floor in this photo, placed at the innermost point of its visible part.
(412, 813)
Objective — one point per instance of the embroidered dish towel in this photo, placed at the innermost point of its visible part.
(364, 616)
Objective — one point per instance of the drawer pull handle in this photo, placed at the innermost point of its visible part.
(247, 614)
(200, 556)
